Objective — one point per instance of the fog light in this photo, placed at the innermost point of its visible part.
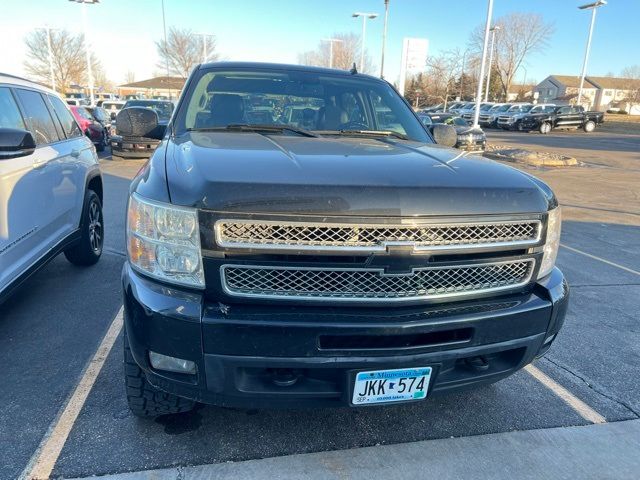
(171, 364)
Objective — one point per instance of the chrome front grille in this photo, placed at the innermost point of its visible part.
(366, 284)
(259, 234)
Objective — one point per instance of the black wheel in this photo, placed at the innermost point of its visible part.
(89, 249)
(102, 145)
(144, 399)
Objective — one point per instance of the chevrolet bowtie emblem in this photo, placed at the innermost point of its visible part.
(398, 260)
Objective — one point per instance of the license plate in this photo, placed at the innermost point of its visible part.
(386, 386)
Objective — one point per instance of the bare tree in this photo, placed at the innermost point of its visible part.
(631, 75)
(130, 76)
(438, 83)
(346, 51)
(520, 35)
(184, 49)
(69, 61)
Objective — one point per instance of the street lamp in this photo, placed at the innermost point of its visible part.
(476, 114)
(364, 30)
(593, 7)
(384, 36)
(331, 40)
(204, 45)
(493, 42)
(86, 42)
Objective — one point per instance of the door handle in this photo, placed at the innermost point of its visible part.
(75, 153)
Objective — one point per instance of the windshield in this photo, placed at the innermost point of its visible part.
(503, 108)
(84, 114)
(98, 113)
(163, 109)
(314, 102)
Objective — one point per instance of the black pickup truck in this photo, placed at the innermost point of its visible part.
(338, 258)
(562, 117)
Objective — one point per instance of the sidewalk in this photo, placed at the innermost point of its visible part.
(605, 451)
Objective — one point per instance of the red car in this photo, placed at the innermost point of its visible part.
(91, 128)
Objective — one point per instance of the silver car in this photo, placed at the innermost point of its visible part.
(50, 184)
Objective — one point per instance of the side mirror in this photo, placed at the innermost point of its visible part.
(444, 134)
(16, 143)
(138, 122)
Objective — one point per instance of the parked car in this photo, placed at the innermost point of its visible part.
(112, 107)
(489, 119)
(77, 99)
(504, 119)
(103, 118)
(468, 112)
(91, 127)
(458, 106)
(102, 97)
(139, 143)
(349, 263)
(468, 138)
(562, 117)
(50, 184)
(511, 120)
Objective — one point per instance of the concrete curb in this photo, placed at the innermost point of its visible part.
(603, 451)
(537, 162)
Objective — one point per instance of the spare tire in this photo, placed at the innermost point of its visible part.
(138, 122)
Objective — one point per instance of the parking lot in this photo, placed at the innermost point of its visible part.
(52, 328)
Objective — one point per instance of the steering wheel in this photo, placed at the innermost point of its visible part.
(353, 125)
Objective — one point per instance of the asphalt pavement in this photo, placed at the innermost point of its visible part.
(52, 327)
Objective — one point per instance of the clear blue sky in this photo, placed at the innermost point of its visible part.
(123, 31)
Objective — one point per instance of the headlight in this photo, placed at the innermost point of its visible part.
(552, 242)
(163, 241)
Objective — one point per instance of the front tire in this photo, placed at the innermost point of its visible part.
(145, 400)
(89, 249)
(590, 126)
(545, 128)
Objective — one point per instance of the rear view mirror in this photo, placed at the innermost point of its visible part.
(444, 134)
(15, 143)
(139, 122)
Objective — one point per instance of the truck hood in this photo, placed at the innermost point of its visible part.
(256, 173)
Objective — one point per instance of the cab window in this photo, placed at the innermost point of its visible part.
(38, 117)
(9, 113)
(65, 117)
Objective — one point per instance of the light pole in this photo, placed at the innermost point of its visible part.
(204, 45)
(476, 114)
(593, 7)
(384, 36)
(364, 31)
(86, 43)
(164, 29)
(493, 42)
(464, 59)
(331, 40)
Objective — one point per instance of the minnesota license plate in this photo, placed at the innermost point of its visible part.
(385, 386)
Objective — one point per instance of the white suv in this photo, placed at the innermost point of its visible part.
(50, 184)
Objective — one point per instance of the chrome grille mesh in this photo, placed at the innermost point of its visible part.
(267, 234)
(372, 284)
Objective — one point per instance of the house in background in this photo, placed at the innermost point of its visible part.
(519, 91)
(165, 87)
(598, 93)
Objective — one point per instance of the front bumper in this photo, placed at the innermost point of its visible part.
(133, 148)
(238, 349)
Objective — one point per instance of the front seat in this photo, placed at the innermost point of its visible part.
(226, 109)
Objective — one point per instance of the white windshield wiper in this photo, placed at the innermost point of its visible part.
(245, 127)
(376, 133)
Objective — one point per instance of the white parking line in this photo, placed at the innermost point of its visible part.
(581, 408)
(622, 267)
(43, 460)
